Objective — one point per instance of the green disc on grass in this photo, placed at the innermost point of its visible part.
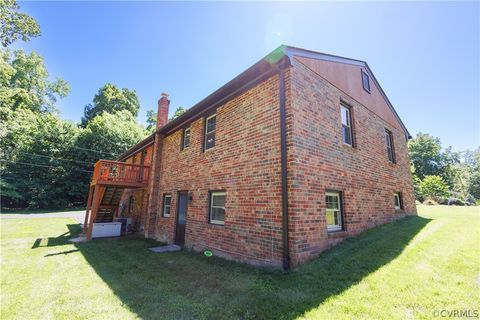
(208, 253)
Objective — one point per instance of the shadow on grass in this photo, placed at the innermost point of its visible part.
(187, 285)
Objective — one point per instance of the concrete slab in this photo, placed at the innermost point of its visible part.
(167, 248)
(78, 239)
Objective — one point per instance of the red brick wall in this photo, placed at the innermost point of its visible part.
(318, 160)
(245, 162)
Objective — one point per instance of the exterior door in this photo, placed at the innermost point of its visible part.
(182, 205)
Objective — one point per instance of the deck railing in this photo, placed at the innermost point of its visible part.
(115, 171)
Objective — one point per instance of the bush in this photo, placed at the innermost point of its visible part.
(456, 202)
(433, 187)
(430, 202)
(442, 200)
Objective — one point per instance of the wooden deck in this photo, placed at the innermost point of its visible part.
(121, 174)
(111, 174)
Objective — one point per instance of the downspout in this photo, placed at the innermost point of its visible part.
(283, 142)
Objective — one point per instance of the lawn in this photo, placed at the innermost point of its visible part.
(408, 269)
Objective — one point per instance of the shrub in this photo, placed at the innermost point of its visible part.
(433, 187)
(430, 202)
(442, 200)
(455, 202)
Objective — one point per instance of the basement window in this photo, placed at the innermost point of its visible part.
(333, 211)
(397, 201)
(167, 204)
(186, 138)
(210, 124)
(365, 81)
(217, 207)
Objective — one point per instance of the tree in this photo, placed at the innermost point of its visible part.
(109, 135)
(152, 118)
(472, 159)
(428, 159)
(178, 113)
(467, 175)
(24, 83)
(111, 99)
(433, 187)
(15, 25)
(38, 167)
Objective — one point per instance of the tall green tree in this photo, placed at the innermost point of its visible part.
(38, 166)
(467, 177)
(152, 118)
(15, 25)
(111, 99)
(110, 135)
(428, 158)
(25, 83)
(178, 112)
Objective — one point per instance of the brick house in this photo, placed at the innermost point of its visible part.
(295, 154)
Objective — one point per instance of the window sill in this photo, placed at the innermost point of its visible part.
(336, 234)
(217, 224)
(349, 147)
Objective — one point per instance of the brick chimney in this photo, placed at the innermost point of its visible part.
(162, 112)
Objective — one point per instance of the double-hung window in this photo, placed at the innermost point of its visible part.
(210, 124)
(347, 132)
(186, 138)
(333, 211)
(217, 207)
(390, 147)
(167, 205)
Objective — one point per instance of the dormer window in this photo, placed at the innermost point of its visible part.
(365, 81)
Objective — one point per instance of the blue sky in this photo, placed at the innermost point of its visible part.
(425, 55)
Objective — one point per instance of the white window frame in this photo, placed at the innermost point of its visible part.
(397, 198)
(164, 214)
(348, 124)
(212, 195)
(339, 210)
(209, 132)
(189, 137)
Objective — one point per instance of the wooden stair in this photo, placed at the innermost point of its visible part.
(108, 205)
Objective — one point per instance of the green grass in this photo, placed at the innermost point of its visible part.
(32, 211)
(407, 269)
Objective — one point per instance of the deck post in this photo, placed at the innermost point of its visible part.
(89, 205)
(97, 197)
